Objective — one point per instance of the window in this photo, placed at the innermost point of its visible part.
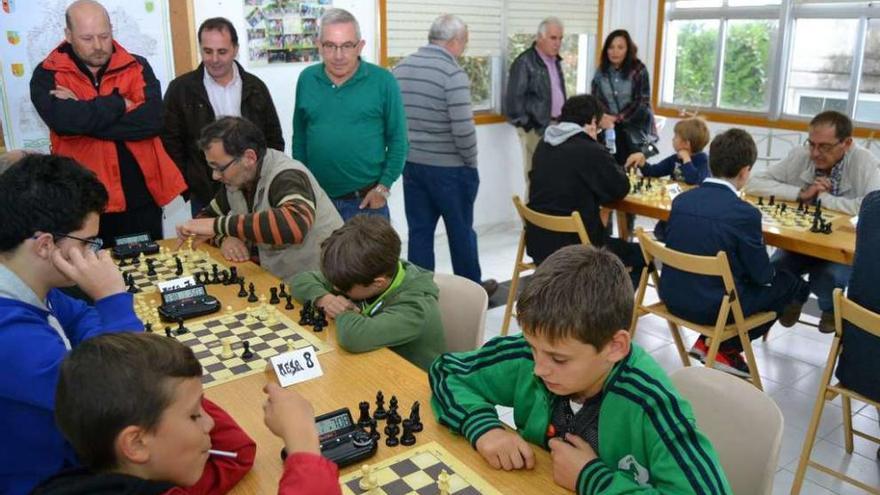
(410, 20)
(729, 56)
(490, 50)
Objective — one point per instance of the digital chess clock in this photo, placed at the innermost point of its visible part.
(130, 246)
(341, 440)
(187, 302)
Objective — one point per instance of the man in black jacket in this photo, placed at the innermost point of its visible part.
(218, 87)
(573, 172)
(536, 89)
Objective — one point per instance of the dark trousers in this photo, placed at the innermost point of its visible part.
(785, 288)
(147, 218)
(430, 193)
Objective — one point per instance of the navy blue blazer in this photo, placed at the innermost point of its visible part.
(859, 367)
(703, 221)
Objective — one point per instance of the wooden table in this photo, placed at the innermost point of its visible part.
(348, 379)
(839, 246)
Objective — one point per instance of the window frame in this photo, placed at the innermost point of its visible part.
(481, 117)
(787, 13)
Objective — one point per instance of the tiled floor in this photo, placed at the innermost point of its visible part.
(791, 363)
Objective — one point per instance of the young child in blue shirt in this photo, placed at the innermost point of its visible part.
(689, 163)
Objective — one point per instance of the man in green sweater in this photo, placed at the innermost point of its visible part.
(578, 386)
(377, 299)
(349, 127)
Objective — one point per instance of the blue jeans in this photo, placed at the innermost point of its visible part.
(349, 208)
(431, 192)
(195, 205)
(824, 276)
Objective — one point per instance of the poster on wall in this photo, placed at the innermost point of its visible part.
(33, 29)
(283, 31)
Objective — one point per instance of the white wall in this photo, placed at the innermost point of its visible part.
(500, 158)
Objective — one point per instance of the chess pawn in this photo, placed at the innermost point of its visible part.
(289, 305)
(374, 433)
(391, 436)
(443, 482)
(227, 353)
(274, 299)
(368, 479)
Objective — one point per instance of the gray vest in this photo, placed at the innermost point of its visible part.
(285, 261)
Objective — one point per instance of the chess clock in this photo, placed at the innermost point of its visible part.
(341, 440)
(130, 246)
(187, 302)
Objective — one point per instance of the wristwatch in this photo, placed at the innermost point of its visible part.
(384, 191)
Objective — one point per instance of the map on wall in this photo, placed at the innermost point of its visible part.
(283, 31)
(32, 29)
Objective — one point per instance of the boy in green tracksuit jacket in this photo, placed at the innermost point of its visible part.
(377, 299)
(578, 386)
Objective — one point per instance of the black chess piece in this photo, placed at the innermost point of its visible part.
(168, 331)
(391, 440)
(178, 266)
(252, 295)
(772, 200)
(380, 412)
(760, 200)
(392, 430)
(198, 278)
(215, 274)
(233, 275)
(393, 415)
(247, 354)
(818, 207)
(289, 304)
(241, 291)
(319, 321)
(180, 328)
(307, 314)
(782, 207)
(148, 327)
(282, 293)
(827, 228)
(136, 260)
(364, 419)
(374, 433)
(224, 277)
(407, 438)
(151, 267)
(122, 262)
(415, 419)
(132, 287)
(273, 295)
(815, 227)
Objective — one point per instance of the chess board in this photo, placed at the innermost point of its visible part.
(193, 261)
(415, 472)
(266, 339)
(649, 188)
(791, 218)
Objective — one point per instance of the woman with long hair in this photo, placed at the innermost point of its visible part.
(622, 85)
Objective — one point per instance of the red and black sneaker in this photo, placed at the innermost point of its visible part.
(732, 362)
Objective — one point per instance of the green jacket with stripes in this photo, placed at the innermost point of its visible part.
(648, 440)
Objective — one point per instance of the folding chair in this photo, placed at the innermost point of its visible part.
(571, 224)
(844, 310)
(716, 266)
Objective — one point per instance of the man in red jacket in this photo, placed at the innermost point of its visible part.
(103, 107)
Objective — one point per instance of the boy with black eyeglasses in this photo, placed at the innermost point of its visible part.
(48, 239)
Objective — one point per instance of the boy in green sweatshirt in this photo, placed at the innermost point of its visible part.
(377, 299)
(579, 387)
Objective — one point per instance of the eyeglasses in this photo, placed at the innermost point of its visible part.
(94, 243)
(223, 168)
(822, 147)
(347, 47)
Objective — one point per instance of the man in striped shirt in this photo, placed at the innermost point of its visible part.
(270, 202)
(440, 177)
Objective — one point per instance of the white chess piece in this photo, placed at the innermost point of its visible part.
(443, 482)
(227, 353)
(368, 479)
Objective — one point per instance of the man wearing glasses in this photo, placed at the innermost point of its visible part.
(269, 201)
(48, 240)
(349, 127)
(832, 169)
